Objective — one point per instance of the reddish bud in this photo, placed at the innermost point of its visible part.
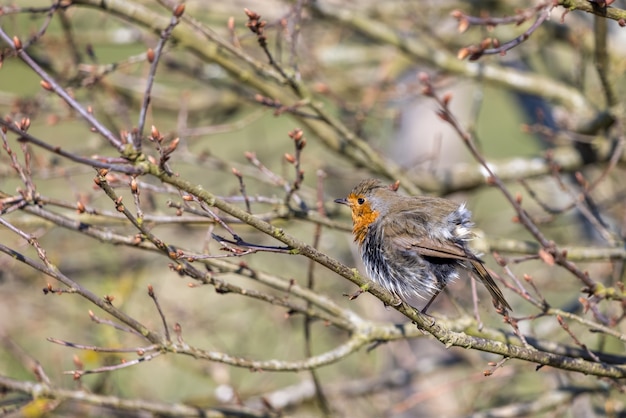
(546, 257)
(77, 362)
(296, 134)
(179, 10)
(463, 53)
(173, 145)
(155, 132)
(17, 43)
(150, 55)
(463, 25)
(25, 124)
(252, 15)
(290, 158)
(45, 85)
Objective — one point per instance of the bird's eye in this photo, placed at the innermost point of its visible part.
(360, 200)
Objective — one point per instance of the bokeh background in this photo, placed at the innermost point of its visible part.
(339, 54)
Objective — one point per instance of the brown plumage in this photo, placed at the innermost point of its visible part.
(414, 246)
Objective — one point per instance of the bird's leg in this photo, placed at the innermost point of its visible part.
(432, 299)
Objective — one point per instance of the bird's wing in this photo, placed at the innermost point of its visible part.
(406, 234)
(410, 237)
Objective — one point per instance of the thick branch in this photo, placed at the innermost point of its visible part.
(41, 391)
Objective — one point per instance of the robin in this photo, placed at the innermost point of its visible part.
(414, 245)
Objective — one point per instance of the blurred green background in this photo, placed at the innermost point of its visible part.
(373, 90)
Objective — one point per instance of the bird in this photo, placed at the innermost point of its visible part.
(415, 245)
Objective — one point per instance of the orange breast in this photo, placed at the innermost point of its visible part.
(362, 218)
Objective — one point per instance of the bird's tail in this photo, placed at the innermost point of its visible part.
(498, 298)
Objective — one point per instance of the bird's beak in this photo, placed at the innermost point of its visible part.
(342, 201)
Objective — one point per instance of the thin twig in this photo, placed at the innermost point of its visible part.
(154, 298)
(154, 59)
(138, 350)
(50, 84)
(319, 390)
